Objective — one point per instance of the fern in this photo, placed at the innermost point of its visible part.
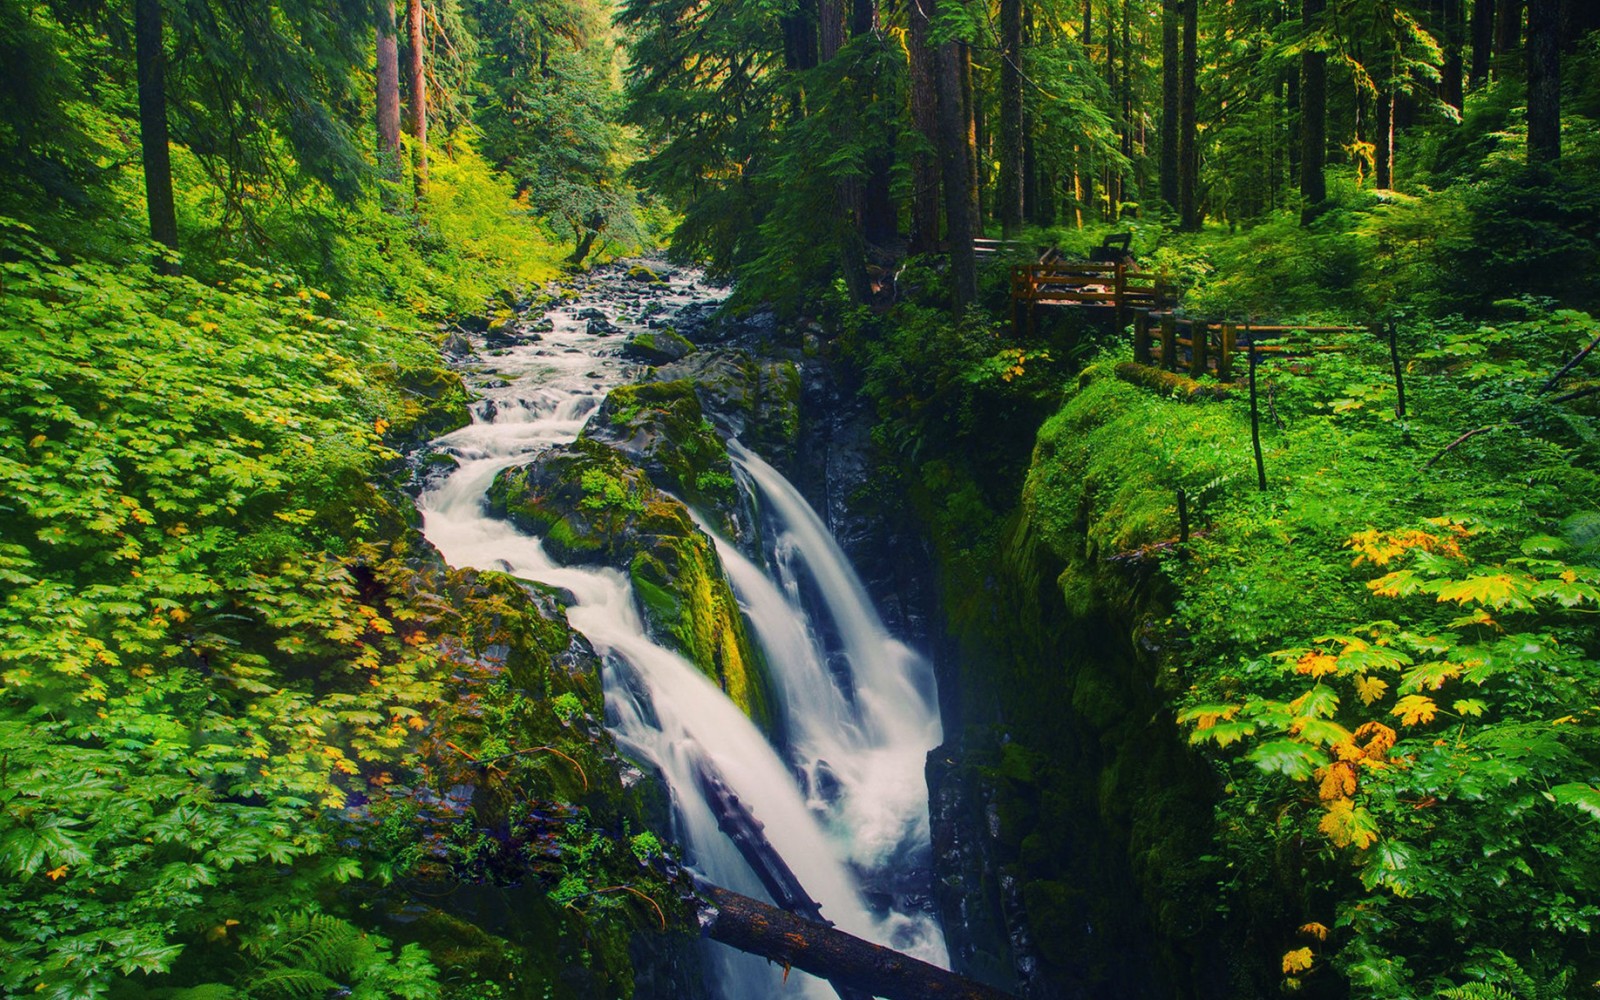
(1476, 991)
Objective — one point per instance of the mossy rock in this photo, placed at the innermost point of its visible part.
(657, 347)
(592, 506)
(639, 272)
(426, 403)
(662, 428)
(758, 401)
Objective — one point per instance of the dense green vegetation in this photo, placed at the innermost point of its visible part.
(1338, 738)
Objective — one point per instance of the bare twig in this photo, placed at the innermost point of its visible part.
(1463, 439)
(1577, 359)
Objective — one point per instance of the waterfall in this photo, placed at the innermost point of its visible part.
(859, 735)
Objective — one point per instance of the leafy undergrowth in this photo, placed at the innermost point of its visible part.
(1388, 655)
(244, 713)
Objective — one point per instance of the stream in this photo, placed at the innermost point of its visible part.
(844, 801)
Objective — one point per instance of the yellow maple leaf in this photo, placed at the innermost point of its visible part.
(1316, 664)
(1370, 689)
(1346, 823)
(57, 873)
(1415, 709)
(1315, 930)
(1298, 960)
(1382, 739)
(1338, 781)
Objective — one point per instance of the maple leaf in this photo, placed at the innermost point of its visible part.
(1370, 689)
(1338, 781)
(1316, 930)
(1316, 664)
(1346, 823)
(1415, 709)
(1298, 960)
(1497, 590)
(1382, 738)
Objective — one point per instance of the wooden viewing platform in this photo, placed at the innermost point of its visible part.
(1116, 287)
(1199, 346)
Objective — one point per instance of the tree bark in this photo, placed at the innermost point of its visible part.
(957, 156)
(417, 82)
(1453, 70)
(1383, 139)
(151, 56)
(1011, 142)
(844, 960)
(1507, 26)
(1482, 42)
(924, 118)
(1313, 116)
(1127, 98)
(1169, 103)
(1083, 168)
(976, 135)
(1188, 147)
(1544, 81)
(830, 17)
(388, 92)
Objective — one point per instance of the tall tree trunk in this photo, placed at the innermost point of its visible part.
(1127, 97)
(923, 68)
(1507, 26)
(800, 36)
(830, 18)
(1188, 146)
(977, 136)
(1169, 103)
(1313, 116)
(151, 56)
(956, 155)
(388, 92)
(1544, 80)
(1111, 178)
(1083, 167)
(417, 82)
(1452, 71)
(1383, 138)
(1482, 42)
(1011, 141)
(1291, 102)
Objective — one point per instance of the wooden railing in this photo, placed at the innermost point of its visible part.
(1117, 286)
(1201, 346)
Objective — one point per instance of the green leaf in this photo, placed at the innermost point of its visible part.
(1584, 797)
(1290, 757)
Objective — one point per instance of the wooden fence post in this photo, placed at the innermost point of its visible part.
(1230, 338)
(1141, 336)
(1121, 287)
(1255, 412)
(1169, 341)
(1199, 335)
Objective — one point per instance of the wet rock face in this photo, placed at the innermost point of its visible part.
(591, 505)
(662, 428)
(657, 347)
(756, 401)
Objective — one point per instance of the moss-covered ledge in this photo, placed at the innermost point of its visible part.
(591, 505)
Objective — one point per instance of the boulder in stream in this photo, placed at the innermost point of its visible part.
(591, 505)
(657, 346)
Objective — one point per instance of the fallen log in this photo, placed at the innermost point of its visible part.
(846, 961)
(1171, 383)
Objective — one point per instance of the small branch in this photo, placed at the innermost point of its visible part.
(625, 888)
(492, 761)
(1577, 359)
(1577, 394)
(1463, 439)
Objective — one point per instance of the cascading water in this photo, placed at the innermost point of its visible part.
(860, 723)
